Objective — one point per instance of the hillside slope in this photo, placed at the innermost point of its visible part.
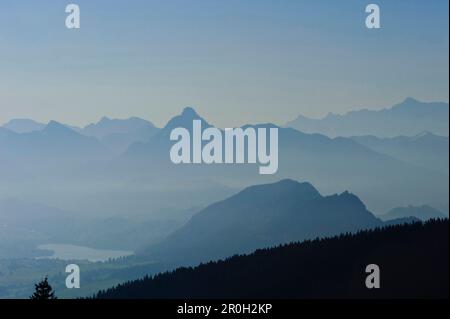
(413, 261)
(262, 216)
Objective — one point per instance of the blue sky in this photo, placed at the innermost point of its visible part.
(235, 61)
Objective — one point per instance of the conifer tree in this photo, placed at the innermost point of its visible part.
(43, 291)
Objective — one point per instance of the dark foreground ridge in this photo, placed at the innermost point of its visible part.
(413, 261)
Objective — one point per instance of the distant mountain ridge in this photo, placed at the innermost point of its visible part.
(23, 126)
(263, 216)
(107, 126)
(425, 149)
(381, 180)
(116, 134)
(159, 144)
(407, 118)
(424, 213)
(329, 163)
(55, 141)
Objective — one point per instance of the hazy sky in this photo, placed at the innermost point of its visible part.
(235, 61)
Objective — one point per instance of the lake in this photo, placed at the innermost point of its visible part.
(74, 252)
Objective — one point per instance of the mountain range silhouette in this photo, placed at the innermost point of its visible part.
(409, 118)
(262, 216)
(381, 177)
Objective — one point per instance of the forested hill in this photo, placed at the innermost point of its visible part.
(413, 261)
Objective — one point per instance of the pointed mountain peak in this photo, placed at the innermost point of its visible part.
(54, 127)
(410, 100)
(104, 119)
(348, 194)
(54, 124)
(185, 120)
(351, 198)
(189, 112)
(409, 105)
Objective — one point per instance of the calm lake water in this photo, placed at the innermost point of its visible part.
(73, 252)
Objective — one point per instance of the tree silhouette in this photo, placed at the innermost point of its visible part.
(43, 291)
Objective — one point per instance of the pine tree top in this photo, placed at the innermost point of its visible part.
(43, 291)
